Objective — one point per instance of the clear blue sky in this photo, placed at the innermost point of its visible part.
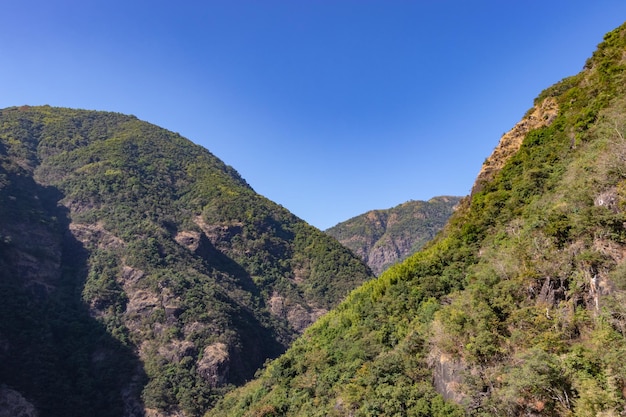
(329, 108)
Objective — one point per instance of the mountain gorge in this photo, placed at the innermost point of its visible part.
(516, 309)
(139, 274)
(384, 237)
(142, 276)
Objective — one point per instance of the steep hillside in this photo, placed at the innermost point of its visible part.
(141, 275)
(385, 237)
(516, 309)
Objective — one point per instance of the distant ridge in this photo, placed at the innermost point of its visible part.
(384, 237)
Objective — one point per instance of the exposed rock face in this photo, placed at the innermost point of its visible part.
(297, 315)
(95, 235)
(541, 115)
(384, 237)
(447, 376)
(390, 249)
(214, 364)
(189, 239)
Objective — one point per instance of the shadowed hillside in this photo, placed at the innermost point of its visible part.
(139, 273)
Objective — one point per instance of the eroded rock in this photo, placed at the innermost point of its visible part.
(214, 364)
(542, 115)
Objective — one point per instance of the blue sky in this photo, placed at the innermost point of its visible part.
(329, 108)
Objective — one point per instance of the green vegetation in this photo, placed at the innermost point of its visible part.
(137, 271)
(122, 243)
(384, 237)
(517, 308)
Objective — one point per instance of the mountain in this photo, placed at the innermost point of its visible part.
(518, 308)
(139, 274)
(384, 237)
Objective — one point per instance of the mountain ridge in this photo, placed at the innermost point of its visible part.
(384, 237)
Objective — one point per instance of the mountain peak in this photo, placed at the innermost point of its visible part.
(384, 237)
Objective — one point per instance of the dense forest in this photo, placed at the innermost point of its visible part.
(384, 237)
(518, 308)
(139, 274)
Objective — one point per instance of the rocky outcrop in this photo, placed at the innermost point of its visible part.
(297, 315)
(95, 235)
(541, 115)
(447, 375)
(214, 364)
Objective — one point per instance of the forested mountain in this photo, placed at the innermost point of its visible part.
(140, 275)
(518, 308)
(385, 237)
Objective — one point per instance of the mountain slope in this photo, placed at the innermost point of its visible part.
(516, 309)
(384, 237)
(141, 271)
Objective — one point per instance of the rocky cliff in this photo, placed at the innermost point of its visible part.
(543, 114)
